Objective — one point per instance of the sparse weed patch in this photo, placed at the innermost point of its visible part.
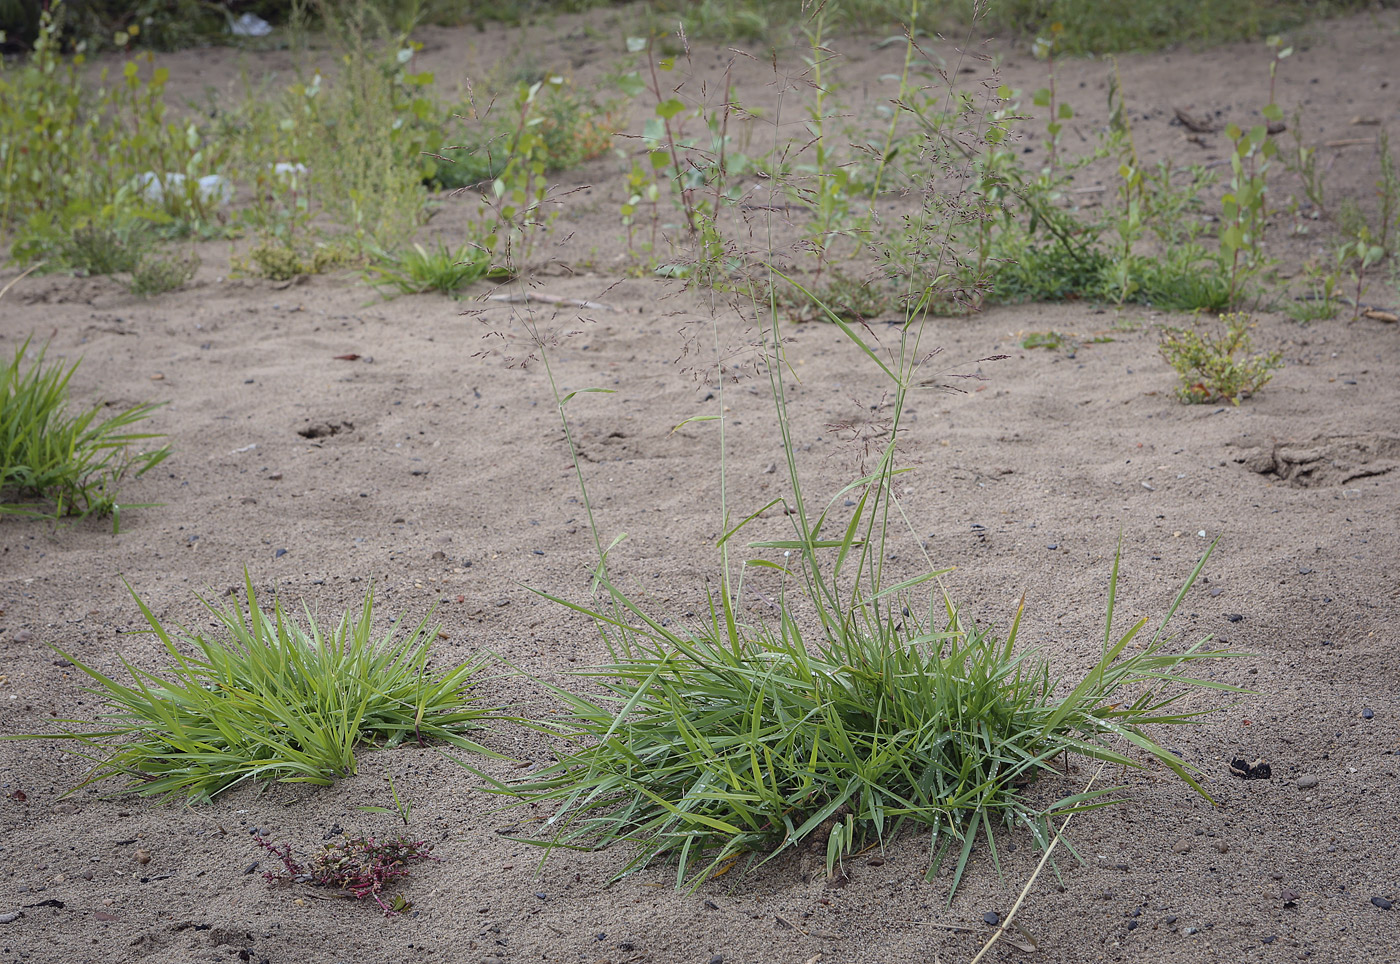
(1214, 360)
(54, 463)
(359, 867)
(282, 262)
(270, 699)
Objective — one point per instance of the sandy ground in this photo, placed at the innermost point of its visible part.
(448, 484)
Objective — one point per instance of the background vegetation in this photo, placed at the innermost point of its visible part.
(1097, 26)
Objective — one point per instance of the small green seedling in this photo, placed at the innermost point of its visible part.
(402, 807)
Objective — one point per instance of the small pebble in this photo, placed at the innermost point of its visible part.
(541, 895)
(717, 959)
(11, 917)
(143, 856)
(1382, 903)
(1221, 846)
(1368, 713)
(1181, 846)
(1307, 781)
(991, 917)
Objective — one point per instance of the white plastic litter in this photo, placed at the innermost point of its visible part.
(250, 25)
(212, 188)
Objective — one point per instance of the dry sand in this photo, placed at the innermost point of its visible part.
(446, 482)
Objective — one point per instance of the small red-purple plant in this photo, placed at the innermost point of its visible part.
(359, 867)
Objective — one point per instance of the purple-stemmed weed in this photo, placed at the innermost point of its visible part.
(358, 867)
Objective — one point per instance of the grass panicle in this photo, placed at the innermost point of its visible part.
(269, 699)
(54, 463)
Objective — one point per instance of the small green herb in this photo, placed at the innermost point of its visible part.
(1214, 360)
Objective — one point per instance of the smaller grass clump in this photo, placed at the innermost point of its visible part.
(442, 269)
(1214, 361)
(95, 248)
(156, 276)
(54, 463)
(271, 700)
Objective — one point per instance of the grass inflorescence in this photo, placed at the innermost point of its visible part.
(271, 700)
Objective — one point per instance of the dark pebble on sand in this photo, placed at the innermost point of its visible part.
(1368, 713)
(541, 895)
(1132, 925)
(1382, 903)
(717, 959)
(991, 918)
